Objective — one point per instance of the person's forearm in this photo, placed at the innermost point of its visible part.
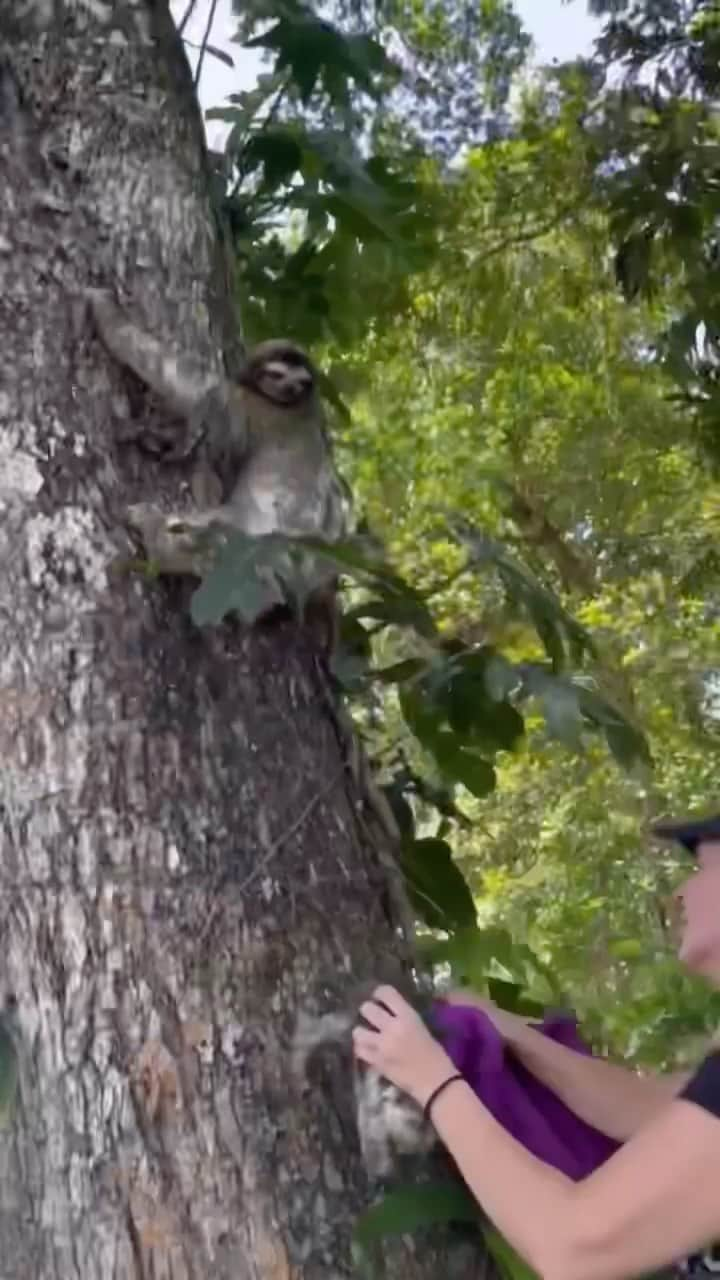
(529, 1202)
(612, 1098)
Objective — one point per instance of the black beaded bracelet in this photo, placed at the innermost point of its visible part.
(436, 1092)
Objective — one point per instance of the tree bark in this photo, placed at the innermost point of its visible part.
(184, 860)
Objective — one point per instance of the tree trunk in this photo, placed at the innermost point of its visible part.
(183, 857)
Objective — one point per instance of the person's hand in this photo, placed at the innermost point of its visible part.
(508, 1024)
(401, 1048)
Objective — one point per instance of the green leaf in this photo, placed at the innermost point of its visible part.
(408, 669)
(354, 638)
(628, 745)
(512, 1265)
(560, 704)
(464, 766)
(437, 887)
(410, 1209)
(241, 580)
(474, 954)
(571, 708)
(350, 670)
(221, 593)
(356, 218)
(420, 714)
(397, 601)
(300, 46)
(501, 677)
(632, 263)
(228, 115)
(473, 713)
(366, 58)
(316, 52)
(511, 996)
(396, 609)
(454, 693)
(278, 151)
(563, 638)
(626, 948)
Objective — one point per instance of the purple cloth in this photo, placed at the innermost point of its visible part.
(527, 1109)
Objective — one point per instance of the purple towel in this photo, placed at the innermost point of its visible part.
(530, 1111)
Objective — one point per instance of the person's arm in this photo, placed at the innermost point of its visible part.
(654, 1201)
(614, 1099)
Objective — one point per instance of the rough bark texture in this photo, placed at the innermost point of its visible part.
(182, 859)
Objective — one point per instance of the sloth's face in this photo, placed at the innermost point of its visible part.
(280, 372)
(283, 382)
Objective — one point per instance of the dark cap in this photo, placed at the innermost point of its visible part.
(689, 833)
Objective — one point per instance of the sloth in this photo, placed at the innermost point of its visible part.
(390, 1123)
(266, 463)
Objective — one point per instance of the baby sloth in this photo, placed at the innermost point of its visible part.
(264, 459)
(390, 1123)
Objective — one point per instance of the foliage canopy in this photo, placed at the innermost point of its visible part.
(511, 275)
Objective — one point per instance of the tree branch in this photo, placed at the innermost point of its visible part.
(186, 16)
(204, 42)
(535, 233)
